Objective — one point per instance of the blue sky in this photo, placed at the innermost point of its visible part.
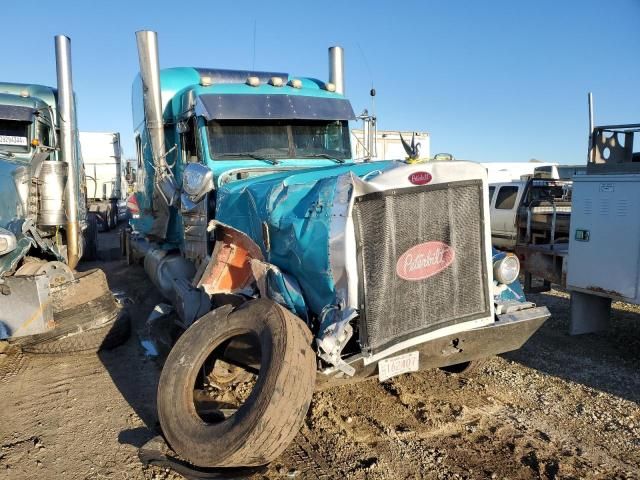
(491, 80)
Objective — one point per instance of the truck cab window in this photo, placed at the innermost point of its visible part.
(313, 139)
(492, 190)
(506, 198)
(299, 139)
(43, 134)
(189, 143)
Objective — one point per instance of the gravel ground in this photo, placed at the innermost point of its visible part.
(561, 407)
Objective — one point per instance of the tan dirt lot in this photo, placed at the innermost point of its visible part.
(561, 407)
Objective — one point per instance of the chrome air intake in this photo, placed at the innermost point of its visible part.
(51, 194)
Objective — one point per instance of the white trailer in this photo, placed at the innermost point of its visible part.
(504, 172)
(102, 155)
(388, 145)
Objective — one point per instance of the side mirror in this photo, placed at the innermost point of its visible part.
(197, 181)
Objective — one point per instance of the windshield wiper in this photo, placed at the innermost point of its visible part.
(7, 153)
(272, 161)
(323, 155)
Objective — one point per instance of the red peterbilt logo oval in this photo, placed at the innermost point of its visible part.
(424, 260)
(420, 178)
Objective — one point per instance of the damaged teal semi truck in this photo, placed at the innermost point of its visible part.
(290, 266)
(45, 305)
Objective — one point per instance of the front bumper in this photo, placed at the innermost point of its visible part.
(509, 332)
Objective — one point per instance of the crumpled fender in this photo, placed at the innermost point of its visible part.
(237, 264)
(229, 268)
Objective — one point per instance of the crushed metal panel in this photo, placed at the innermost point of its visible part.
(25, 306)
(9, 261)
(299, 210)
(229, 269)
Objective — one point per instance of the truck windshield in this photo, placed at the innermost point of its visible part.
(268, 139)
(14, 136)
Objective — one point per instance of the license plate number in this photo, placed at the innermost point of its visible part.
(13, 140)
(390, 367)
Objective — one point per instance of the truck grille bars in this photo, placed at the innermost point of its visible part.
(421, 255)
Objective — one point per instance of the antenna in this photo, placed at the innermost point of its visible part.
(590, 149)
(253, 63)
(370, 121)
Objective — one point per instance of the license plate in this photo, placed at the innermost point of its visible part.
(390, 367)
(13, 140)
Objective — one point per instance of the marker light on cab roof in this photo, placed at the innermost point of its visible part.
(276, 81)
(253, 81)
(206, 81)
(330, 87)
(295, 83)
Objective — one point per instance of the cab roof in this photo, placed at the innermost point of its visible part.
(28, 95)
(180, 87)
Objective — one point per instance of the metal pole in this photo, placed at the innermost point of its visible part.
(67, 123)
(164, 187)
(336, 68)
(590, 156)
(366, 138)
(150, 75)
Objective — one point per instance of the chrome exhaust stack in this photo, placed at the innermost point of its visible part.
(165, 188)
(336, 68)
(150, 75)
(67, 122)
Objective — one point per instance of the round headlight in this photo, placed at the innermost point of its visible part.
(507, 269)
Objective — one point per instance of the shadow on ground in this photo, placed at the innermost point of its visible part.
(607, 361)
(134, 374)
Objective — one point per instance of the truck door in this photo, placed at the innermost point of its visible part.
(503, 215)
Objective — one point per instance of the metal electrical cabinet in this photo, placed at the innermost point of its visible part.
(604, 246)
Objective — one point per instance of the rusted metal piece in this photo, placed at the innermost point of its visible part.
(604, 292)
(229, 269)
(547, 262)
(58, 273)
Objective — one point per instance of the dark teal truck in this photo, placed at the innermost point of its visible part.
(291, 267)
(45, 305)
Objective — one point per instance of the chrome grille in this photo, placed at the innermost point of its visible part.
(454, 288)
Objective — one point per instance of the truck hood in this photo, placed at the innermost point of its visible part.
(290, 216)
(301, 221)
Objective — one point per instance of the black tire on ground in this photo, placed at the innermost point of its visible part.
(465, 368)
(272, 415)
(106, 214)
(103, 337)
(91, 238)
(113, 216)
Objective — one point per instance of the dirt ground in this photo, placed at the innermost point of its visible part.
(561, 407)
